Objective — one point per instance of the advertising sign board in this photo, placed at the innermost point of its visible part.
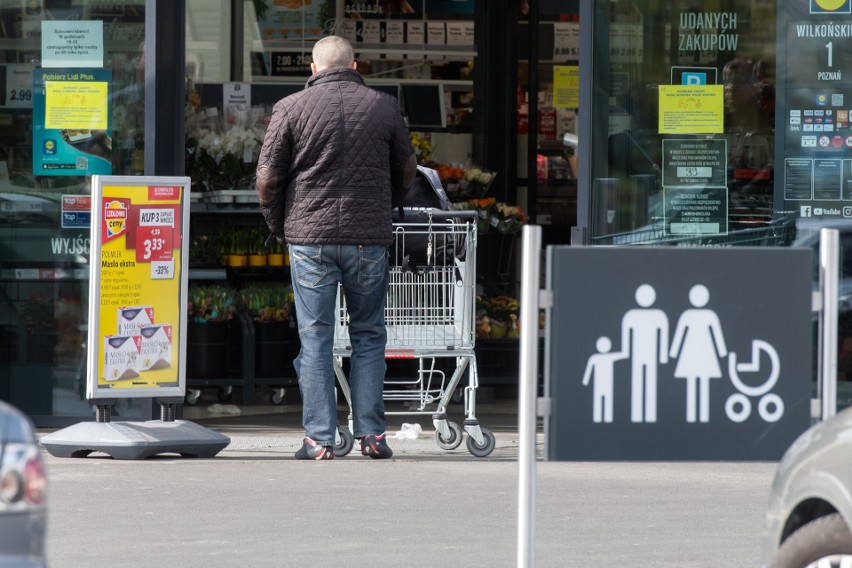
(813, 105)
(138, 286)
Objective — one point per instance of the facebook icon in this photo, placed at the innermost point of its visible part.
(693, 78)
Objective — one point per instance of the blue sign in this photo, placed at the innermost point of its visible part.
(76, 219)
(694, 78)
(71, 150)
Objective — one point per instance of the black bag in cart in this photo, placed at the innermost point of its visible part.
(413, 229)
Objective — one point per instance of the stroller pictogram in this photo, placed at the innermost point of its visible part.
(770, 407)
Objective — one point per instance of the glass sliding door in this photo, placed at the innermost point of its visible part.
(682, 148)
(47, 155)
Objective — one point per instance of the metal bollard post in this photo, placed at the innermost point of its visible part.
(530, 263)
(829, 278)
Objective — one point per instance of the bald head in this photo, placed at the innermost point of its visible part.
(332, 51)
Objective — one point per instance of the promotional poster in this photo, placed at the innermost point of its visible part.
(137, 277)
(72, 131)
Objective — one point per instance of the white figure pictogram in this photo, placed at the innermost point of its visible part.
(645, 339)
(600, 371)
(698, 344)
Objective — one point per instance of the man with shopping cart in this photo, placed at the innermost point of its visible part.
(335, 160)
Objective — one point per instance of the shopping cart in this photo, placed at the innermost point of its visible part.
(429, 316)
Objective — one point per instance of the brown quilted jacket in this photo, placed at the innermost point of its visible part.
(332, 163)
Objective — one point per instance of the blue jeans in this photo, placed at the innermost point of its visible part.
(363, 271)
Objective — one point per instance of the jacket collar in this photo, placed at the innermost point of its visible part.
(334, 74)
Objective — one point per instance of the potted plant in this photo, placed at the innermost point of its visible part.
(495, 316)
(275, 256)
(276, 342)
(210, 308)
(255, 248)
(235, 244)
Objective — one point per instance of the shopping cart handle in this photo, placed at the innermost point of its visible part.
(440, 213)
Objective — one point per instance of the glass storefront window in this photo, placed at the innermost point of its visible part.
(233, 86)
(547, 109)
(208, 32)
(44, 234)
(683, 131)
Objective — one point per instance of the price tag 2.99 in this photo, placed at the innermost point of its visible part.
(19, 86)
(163, 270)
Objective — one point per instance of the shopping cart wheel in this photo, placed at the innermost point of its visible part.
(192, 397)
(487, 446)
(343, 442)
(224, 393)
(452, 441)
(277, 396)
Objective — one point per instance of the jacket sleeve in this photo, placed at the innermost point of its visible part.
(273, 167)
(402, 159)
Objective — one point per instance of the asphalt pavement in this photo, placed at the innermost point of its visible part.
(254, 505)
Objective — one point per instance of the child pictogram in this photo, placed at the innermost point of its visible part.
(600, 369)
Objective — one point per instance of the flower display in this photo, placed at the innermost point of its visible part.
(497, 307)
(422, 147)
(210, 304)
(450, 173)
(497, 317)
(461, 184)
(478, 176)
(271, 303)
(495, 216)
(222, 153)
(226, 159)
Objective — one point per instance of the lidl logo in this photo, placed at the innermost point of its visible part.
(831, 6)
(49, 147)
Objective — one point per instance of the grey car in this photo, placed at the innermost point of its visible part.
(810, 507)
(23, 493)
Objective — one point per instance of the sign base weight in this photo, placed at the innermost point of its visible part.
(135, 440)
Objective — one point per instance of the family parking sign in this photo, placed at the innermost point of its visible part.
(668, 353)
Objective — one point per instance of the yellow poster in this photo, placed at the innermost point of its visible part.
(566, 86)
(76, 105)
(140, 286)
(692, 109)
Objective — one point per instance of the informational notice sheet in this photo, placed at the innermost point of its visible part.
(692, 109)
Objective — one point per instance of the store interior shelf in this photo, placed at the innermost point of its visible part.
(208, 274)
(452, 84)
(209, 207)
(44, 274)
(466, 51)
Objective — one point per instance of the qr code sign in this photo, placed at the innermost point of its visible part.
(837, 99)
(82, 163)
